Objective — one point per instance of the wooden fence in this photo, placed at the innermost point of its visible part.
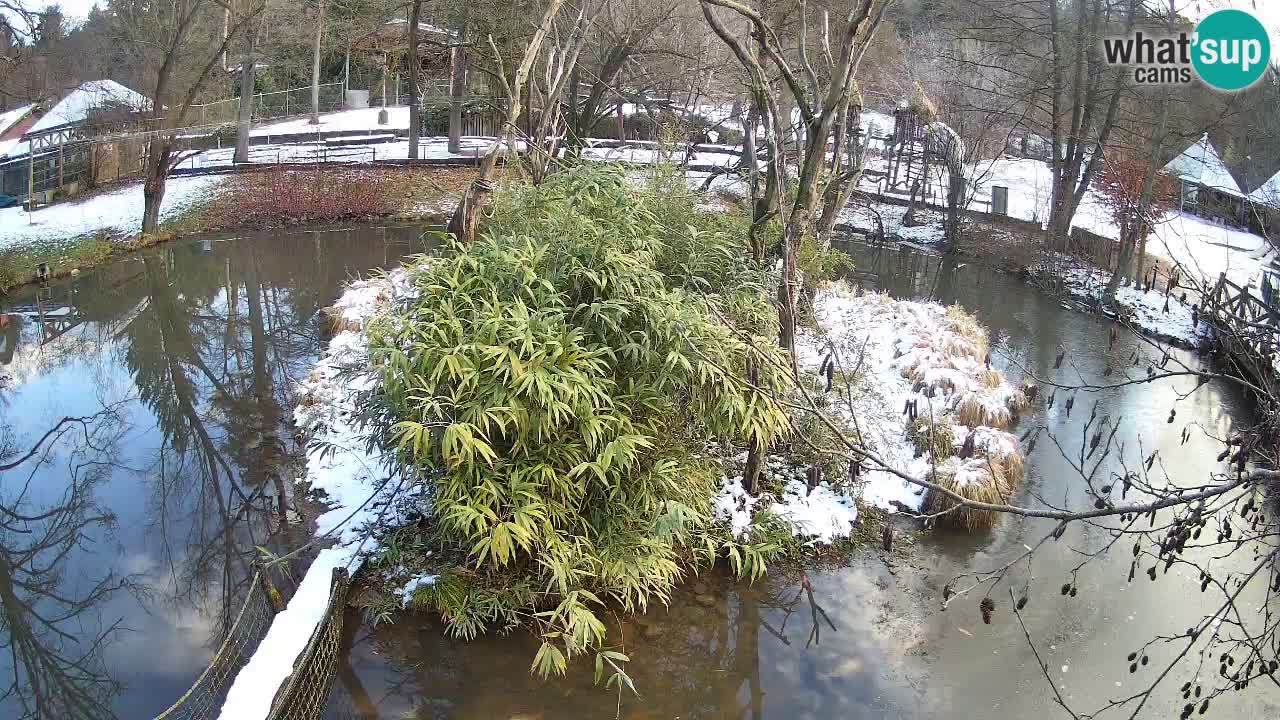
(1248, 324)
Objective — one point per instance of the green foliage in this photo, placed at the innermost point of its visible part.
(558, 380)
(812, 432)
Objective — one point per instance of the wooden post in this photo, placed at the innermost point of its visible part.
(31, 179)
(273, 595)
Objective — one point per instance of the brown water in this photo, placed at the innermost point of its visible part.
(883, 649)
(137, 526)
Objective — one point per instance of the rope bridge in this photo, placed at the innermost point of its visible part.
(305, 693)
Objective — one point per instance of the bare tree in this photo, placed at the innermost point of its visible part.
(179, 47)
(315, 63)
(415, 64)
(462, 224)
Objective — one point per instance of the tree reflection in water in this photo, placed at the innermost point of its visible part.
(53, 634)
(700, 658)
(202, 345)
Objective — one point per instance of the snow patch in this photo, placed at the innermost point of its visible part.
(118, 213)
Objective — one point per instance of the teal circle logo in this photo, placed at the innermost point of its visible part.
(1230, 50)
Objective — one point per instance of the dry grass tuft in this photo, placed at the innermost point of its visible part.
(1014, 469)
(334, 322)
(973, 412)
(993, 488)
(991, 378)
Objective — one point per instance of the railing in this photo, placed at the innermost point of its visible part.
(280, 103)
(1248, 324)
(305, 693)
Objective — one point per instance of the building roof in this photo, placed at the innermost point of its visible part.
(1268, 193)
(1201, 164)
(10, 118)
(78, 104)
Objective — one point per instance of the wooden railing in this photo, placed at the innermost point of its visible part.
(1248, 323)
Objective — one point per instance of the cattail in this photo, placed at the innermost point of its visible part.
(888, 538)
(987, 606)
(1057, 362)
(1071, 400)
(813, 477)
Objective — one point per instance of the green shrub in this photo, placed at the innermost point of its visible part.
(558, 383)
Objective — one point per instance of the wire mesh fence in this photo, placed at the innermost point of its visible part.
(267, 106)
(306, 691)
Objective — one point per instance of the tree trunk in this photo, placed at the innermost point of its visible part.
(955, 197)
(457, 80)
(415, 66)
(315, 65)
(248, 72)
(154, 183)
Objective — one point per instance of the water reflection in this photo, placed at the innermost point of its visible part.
(125, 548)
(721, 650)
(54, 635)
(725, 650)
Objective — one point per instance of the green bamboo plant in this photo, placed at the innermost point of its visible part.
(563, 383)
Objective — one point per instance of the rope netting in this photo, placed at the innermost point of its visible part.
(304, 694)
(204, 698)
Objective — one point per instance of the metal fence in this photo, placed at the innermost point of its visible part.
(266, 106)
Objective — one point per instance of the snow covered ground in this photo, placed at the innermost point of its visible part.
(1152, 311)
(354, 479)
(433, 148)
(1202, 247)
(344, 121)
(910, 351)
(117, 212)
(647, 155)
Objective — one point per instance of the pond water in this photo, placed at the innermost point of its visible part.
(869, 640)
(125, 547)
(126, 539)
